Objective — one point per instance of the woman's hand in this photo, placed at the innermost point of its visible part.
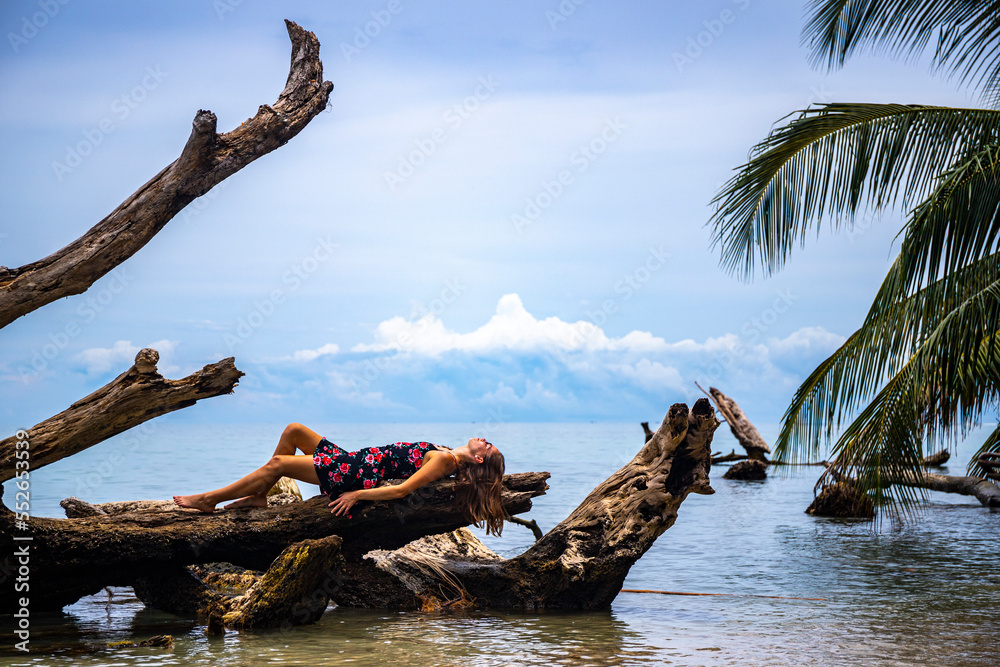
(344, 502)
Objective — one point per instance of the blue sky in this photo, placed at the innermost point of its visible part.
(501, 216)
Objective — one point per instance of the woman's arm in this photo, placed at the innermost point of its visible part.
(433, 468)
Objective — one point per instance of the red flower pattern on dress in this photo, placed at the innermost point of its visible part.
(340, 470)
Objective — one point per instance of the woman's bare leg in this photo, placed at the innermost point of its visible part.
(255, 485)
(295, 436)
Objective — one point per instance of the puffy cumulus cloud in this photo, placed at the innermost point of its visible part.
(518, 367)
(121, 355)
(512, 327)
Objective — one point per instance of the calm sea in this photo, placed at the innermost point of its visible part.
(927, 592)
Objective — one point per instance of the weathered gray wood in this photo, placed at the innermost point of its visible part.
(746, 433)
(137, 395)
(582, 562)
(983, 490)
(71, 558)
(206, 160)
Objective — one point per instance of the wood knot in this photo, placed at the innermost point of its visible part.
(145, 361)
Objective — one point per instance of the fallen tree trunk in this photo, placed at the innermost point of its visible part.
(745, 432)
(71, 558)
(206, 160)
(581, 563)
(135, 396)
(841, 498)
(983, 490)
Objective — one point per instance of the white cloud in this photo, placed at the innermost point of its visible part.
(312, 355)
(512, 327)
(121, 356)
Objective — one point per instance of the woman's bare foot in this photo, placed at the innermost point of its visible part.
(248, 501)
(196, 501)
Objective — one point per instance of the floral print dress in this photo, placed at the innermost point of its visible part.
(339, 470)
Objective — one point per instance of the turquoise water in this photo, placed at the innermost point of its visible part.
(921, 593)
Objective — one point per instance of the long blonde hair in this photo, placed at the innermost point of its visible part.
(478, 493)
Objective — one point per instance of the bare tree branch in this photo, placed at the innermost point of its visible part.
(206, 160)
(137, 395)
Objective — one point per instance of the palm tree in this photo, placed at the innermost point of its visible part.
(925, 363)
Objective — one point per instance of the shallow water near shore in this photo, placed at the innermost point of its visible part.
(921, 593)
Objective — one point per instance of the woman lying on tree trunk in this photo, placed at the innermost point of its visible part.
(347, 477)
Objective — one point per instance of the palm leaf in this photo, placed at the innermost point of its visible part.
(895, 329)
(834, 159)
(928, 399)
(957, 224)
(966, 35)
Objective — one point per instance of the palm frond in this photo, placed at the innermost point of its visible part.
(836, 159)
(957, 224)
(897, 327)
(925, 401)
(966, 35)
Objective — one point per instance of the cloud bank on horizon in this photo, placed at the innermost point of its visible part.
(514, 367)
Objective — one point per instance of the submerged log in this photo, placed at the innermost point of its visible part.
(207, 159)
(581, 563)
(936, 459)
(137, 395)
(749, 470)
(71, 558)
(745, 432)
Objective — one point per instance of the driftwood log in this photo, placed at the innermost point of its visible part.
(840, 497)
(135, 396)
(206, 160)
(745, 432)
(985, 491)
(747, 470)
(579, 564)
(71, 558)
